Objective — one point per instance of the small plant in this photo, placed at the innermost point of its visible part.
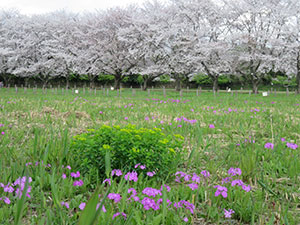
(126, 147)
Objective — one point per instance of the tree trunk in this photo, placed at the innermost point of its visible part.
(298, 73)
(92, 82)
(118, 79)
(255, 84)
(67, 82)
(26, 81)
(145, 84)
(177, 83)
(298, 81)
(45, 82)
(215, 83)
(7, 78)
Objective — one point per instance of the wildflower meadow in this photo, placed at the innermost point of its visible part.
(118, 158)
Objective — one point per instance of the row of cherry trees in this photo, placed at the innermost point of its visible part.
(181, 38)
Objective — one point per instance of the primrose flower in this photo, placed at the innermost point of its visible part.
(64, 176)
(8, 188)
(211, 126)
(221, 190)
(227, 213)
(269, 145)
(126, 118)
(205, 173)
(118, 214)
(82, 206)
(151, 174)
(234, 171)
(132, 190)
(237, 182)
(65, 204)
(107, 181)
(246, 188)
(2, 133)
(116, 172)
(167, 188)
(193, 186)
(196, 178)
(75, 175)
(142, 167)
(131, 176)
(21, 182)
(149, 203)
(103, 208)
(185, 219)
(292, 145)
(137, 165)
(115, 197)
(6, 200)
(78, 183)
(151, 192)
(182, 174)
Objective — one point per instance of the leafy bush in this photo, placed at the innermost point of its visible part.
(106, 79)
(126, 147)
(224, 81)
(284, 81)
(202, 79)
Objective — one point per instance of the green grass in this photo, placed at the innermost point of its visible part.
(39, 127)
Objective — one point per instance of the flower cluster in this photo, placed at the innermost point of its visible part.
(131, 176)
(269, 145)
(113, 196)
(291, 145)
(17, 187)
(228, 213)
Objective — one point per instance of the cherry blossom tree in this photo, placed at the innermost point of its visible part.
(288, 45)
(257, 25)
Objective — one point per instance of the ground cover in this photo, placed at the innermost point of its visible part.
(241, 159)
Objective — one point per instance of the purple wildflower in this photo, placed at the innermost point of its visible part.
(151, 174)
(246, 188)
(118, 214)
(107, 181)
(75, 175)
(221, 190)
(151, 192)
(78, 183)
(116, 172)
(269, 145)
(82, 206)
(196, 178)
(227, 213)
(6, 200)
(205, 173)
(237, 182)
(234, 171)
(193, 186)
(65, 204)
(115, 197)
(292, 145)
(131, 176)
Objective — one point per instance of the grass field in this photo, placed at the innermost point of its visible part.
(258, 135)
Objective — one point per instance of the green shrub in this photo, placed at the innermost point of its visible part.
(202, 79)
(127, 147)
(106, 79)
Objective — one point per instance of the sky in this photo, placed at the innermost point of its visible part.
(30, 7)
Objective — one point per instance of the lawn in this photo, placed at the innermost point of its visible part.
(240, 158)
